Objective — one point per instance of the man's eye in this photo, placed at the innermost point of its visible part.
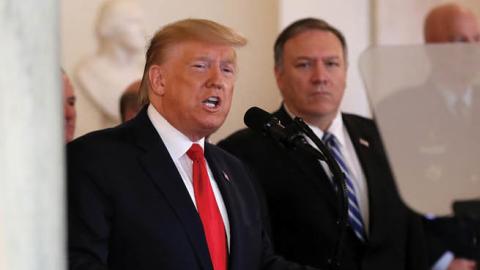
(228, 70)
(303, 65)
(332, 64)
(71, 101)
(199, 65)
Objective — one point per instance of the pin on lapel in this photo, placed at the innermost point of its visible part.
(225, 175)
(364, 142)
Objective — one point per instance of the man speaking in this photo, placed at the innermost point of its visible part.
(151, 193)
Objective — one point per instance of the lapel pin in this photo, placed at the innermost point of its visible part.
(364, 142)
(225, 175)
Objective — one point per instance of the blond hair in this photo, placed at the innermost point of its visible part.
(185, 30)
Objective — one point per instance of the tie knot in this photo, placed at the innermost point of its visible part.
(195, 152)
(329, 139)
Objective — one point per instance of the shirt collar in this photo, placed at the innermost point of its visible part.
(175, 141)
(336, 128)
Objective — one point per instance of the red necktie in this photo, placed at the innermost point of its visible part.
(208, 209)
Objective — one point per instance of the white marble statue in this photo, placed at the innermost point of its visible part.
(117, 62)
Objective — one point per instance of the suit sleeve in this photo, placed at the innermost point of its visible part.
(416, 242)
(89, 214)
(270, 261)
(275, 262)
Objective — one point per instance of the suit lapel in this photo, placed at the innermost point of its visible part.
(160, 167)
(317, 176)
(310, 167)
(363, 144)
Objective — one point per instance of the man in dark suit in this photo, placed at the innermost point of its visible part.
(310, 69)
(142, 196)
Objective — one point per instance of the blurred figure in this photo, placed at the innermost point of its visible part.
(451, 23)
(430, 128)
(129, 101)
(68, 107)
(443, 24)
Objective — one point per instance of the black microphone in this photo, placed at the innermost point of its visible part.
(292, 136)
(288, 136)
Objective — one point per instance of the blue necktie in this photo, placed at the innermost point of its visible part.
(354, 216)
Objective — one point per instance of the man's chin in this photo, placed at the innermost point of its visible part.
(210, 127)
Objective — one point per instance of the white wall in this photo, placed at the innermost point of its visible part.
(401, 21)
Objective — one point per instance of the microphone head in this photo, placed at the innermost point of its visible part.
(256, 119)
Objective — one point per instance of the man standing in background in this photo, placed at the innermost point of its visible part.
(451, 23)
(310, 69)
(443, 24)
(69, 112)
(130, 102)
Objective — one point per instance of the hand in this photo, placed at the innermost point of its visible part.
(462, 264)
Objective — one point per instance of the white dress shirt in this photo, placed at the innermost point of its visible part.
(177, 145)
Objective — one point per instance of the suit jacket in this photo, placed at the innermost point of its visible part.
(457, 234)
(129, 209)
(303, 204)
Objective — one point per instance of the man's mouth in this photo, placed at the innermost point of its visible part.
(212, 102)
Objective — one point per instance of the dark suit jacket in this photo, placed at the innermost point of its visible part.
(129, 208)
(457, 234)
(303, 205)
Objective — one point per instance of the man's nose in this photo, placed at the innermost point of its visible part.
(319, 74)
(69, 112)
(216, 79)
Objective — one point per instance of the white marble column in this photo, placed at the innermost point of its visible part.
(32, 199)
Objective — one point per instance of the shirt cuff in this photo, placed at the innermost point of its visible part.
(444, 261)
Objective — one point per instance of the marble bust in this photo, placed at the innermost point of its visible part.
(118, 60)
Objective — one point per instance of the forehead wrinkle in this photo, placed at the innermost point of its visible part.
(207, 54)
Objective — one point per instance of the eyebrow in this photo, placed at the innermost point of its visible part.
(314, 58)
(201, 58)
(228, 62)
(304, 58)
(208, 59)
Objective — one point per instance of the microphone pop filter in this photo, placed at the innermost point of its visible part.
(256, 118)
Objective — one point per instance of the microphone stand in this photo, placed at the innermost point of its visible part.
(338, 181)
(290, 136)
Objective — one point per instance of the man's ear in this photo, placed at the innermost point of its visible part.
(156, 78)
(278, 72)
